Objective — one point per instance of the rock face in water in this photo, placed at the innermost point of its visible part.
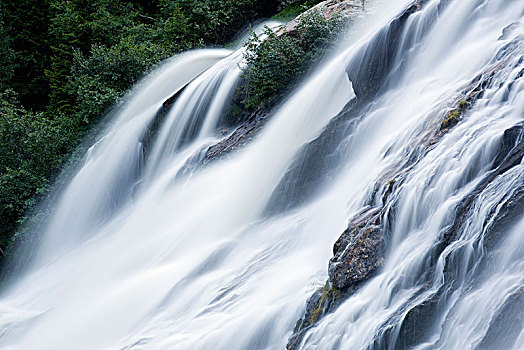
(501, 332)
(370, 68)
(239, 137)
(509, 155)
(358, 252)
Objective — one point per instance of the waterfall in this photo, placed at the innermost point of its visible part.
(415, 127)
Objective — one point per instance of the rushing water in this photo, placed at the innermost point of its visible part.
(136, 257)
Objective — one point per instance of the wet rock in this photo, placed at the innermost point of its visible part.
(509, 148)
(358, 252)
(508, 214)
(239, 137)
(322, 302)
(417, 323)
(506, 325)
(509, 155)
(369, 68)
(156, 123)
(316, 163)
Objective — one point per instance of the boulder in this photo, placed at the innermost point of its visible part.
(359, 251)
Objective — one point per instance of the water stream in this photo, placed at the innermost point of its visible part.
(135, 257)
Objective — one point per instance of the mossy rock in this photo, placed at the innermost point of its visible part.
(318, 304)
(452, 119)
(463, 104)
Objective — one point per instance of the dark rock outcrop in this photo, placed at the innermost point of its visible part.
(316, 163)
(358, 252)
(239, 137)
(156, 123)
(369, 68)
(509, 155)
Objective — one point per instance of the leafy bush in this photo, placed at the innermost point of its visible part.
(275, 64)
(271, 66)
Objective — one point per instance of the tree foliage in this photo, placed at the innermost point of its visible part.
(7, 54)
(275, 64)
(31, 149)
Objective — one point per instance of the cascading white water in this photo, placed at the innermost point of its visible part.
(450, 56)
(135, 259)
(119, 166)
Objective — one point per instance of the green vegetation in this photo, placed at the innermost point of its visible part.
(319, 310)
(276, 64)
(329, 296)
(31, 150)
(463, 104)
(292, 8)
(453, 117)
